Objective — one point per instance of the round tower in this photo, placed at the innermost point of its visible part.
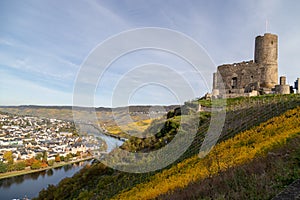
(266, 56)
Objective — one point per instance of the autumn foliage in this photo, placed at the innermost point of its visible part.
(235, 151)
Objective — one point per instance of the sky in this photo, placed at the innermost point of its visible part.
(44, 46)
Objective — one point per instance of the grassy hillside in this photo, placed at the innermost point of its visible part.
(243, 114)
(262, 178)
(239, 150)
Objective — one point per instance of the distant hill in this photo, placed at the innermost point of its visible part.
(38, 110)
(106, 117)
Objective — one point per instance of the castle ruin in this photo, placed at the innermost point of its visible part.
(254, 77)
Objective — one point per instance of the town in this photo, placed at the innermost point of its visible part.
(28, 140)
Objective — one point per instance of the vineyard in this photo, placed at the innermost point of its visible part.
(233, 152)
(253, 126)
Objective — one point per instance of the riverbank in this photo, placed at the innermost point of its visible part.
(29, 171)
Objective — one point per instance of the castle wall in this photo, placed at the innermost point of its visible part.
(239, 77)
(282, 89)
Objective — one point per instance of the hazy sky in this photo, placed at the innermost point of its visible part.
(44, 43)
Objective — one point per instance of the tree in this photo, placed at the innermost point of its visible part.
(50, 162)
(78, 153)
(8, 156)
(62, 158)
(57, 158)
(85, 195)
(68, 157)
(3, 167)
(44, 165)
(20, 165)
(37, 164)
(39, 156)
(45, 156)
(29, 162)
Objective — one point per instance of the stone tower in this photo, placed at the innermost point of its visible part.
(282, 88)
(266, 56)
(254, 77)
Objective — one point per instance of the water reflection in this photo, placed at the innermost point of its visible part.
(67, 167)
(49, 172)
(30, 184)
(35, 176)
(43, 173)
(19, 179)
(57, 168)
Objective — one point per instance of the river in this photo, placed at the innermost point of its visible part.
(29, 185)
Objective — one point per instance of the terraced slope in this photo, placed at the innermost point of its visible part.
(239, 150)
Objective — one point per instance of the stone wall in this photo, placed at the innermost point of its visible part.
(239, 77)
(248, 77)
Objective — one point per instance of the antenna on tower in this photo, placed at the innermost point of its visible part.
(266, 25)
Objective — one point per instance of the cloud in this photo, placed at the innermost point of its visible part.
(17, 91)
(32, 64)
(45, 43)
